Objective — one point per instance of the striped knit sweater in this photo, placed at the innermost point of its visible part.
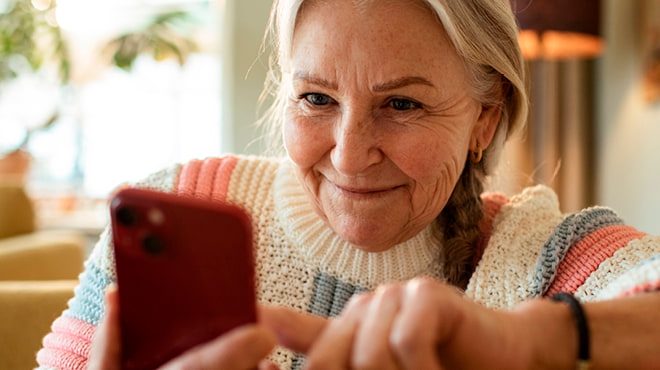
(528, 249)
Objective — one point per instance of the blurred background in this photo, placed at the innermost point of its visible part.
(97, 93)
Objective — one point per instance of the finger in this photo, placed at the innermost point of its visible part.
(242, 348)
(267, 365)
(372, 344)
(420, 326)
(106, 345)
(295, 330)
(332, 349)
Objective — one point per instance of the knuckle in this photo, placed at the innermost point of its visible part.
(368, 360)
(430, 288)
(388, 290)
(358, 302)
(365, 365)
(425, 283)
(404, 343)
(319, 363)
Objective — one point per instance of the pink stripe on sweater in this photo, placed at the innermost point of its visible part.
(652, 286)
(68, 345)
(206, 179)
(187, 181)
(585, 256)
(52, 358)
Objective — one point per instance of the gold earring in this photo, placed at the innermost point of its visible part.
(476, 155)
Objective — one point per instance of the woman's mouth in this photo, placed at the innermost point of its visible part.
(365, 193)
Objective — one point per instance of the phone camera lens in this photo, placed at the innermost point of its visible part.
(152, 244)
(126, 216)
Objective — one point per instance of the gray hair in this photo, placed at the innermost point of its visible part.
(483, 32)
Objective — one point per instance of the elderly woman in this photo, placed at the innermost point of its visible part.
(392, 113)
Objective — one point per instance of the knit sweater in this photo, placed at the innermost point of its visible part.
(528, 249)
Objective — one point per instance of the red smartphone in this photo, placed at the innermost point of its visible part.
(185, 273)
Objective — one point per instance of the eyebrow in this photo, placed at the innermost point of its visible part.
(308, 77)
(401, 82)
(385, 86)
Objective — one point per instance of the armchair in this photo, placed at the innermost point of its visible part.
(38, 272)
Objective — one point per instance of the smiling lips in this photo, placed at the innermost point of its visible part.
(364, 192)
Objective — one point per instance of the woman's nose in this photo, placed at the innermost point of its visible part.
(356, 144)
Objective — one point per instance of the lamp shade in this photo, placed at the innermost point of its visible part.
(559, 29)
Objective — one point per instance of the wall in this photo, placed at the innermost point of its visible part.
(244, 73)
(629, 128)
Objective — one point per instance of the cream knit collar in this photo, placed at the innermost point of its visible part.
(323, 248)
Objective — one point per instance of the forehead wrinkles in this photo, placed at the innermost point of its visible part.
(360, 6)
(367, 16)
(363, 7)
(364, 27)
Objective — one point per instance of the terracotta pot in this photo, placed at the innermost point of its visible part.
(15, 167)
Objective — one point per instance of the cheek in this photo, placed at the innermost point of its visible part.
(435, 169)
(432, 160)
(305, 143)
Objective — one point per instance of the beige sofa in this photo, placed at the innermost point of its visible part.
(38, 272)
(27, 308)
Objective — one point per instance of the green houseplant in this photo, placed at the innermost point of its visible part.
(165, 35)
(30, 38)
(31, 43)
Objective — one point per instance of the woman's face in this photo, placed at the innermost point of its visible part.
(380, 117)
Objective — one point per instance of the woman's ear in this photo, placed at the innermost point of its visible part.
(484, 130)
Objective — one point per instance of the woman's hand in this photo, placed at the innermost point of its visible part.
(421, 324)
(242, 348)
(425, 324)
(105, 352)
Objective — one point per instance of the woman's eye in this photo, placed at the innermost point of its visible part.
(403, 104)
(317, 99)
